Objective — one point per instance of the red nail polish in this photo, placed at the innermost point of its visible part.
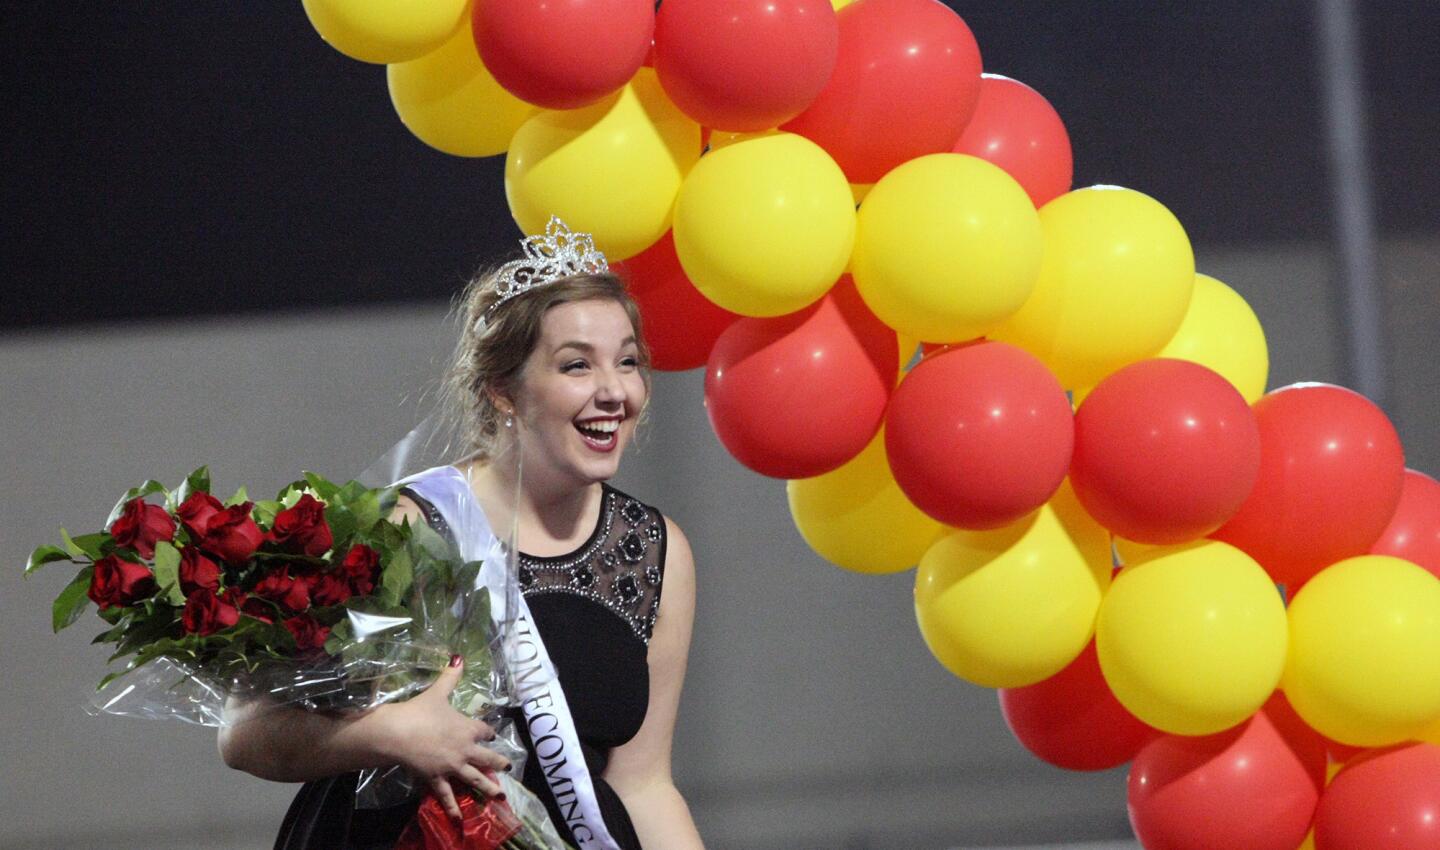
(455, 660)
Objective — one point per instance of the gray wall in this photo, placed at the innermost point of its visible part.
(813, 714)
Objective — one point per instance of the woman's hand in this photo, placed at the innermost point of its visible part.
(440, 745)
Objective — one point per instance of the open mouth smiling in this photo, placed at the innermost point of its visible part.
(600, 434)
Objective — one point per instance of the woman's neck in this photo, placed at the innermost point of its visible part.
(550, 514)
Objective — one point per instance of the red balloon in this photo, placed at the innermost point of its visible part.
(1165, 451)
(905, 84)
(1331, 472)
(1016, 128)
(1242, 789)
(1385, 800)
(564, 54)
(681, 325)
(745, 65)
(799, 395)
(1072, 720)
(979, 436)
(1414, 530)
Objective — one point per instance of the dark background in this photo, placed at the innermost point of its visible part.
(191, 158)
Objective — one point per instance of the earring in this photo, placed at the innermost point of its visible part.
(509, 420)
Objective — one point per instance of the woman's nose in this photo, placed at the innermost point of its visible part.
(609, 388)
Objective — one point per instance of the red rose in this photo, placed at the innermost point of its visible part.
(141, 525)
(232, 534)
(360, 566)
(302, 528)
(205, 613)
(118, 582)
(279, 587)
(308, 634)
(195, 512)
(197, 571)
(254, 606)
(329, 589)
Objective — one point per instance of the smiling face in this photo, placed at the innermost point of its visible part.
(580, 392)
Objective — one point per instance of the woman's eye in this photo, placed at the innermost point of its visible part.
(573, 366)
(630, 362)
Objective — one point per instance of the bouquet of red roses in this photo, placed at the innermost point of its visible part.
(311, 599)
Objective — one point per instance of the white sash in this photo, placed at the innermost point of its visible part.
(537, 687)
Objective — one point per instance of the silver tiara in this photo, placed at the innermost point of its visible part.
(559, 253)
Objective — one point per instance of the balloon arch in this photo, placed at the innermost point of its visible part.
(958, 362)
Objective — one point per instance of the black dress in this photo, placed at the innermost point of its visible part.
(595, 609)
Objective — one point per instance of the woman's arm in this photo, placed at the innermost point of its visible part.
(424, 734)
(639, 771)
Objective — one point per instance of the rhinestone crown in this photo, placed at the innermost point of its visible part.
(559, 253)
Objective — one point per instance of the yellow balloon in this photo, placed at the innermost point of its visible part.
(1431, 733)
(837, 5)
(1191, 638)
(451, 103)
(385, 31)
(1114, 284)
(610, 169)
(1012, 606)
(857, 518)
(1222, 332)
(1364, 666)
(947, 246)
(764, 226)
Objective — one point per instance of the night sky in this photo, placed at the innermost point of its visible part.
(185, 158)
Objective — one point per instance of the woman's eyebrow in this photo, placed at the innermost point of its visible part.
(587, 348)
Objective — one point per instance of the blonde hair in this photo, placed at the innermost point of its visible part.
(490, 354)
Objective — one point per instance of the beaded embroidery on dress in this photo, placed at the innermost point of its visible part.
(619, 567)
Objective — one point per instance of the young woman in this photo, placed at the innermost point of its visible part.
(552, 364)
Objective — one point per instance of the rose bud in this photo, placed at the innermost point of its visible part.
(118, 582)
(302, 529)
(308, 634)
(280, 587)
(232, 534)
(360, 566)
(329, 589)
(140, 526)
(197, 571)
(195, 512)
(205, 613)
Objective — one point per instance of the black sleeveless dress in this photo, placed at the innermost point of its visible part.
(595, 609)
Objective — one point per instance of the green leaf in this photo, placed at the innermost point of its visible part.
(71, 602)
(240, 497)
(431, 542)
(111, 635)
(148, 488)
(45, 555)
(342, 523)
(324, 489)
(167, 572)
(366, 510)
(396, 578)
(199, 480)
(264, 512)
(93, 545)
(71, 547)
(351, 492)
